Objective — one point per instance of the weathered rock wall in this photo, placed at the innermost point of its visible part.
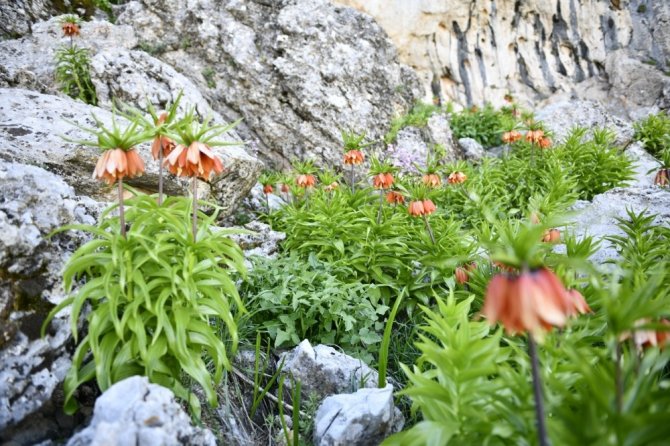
(297, 71)
(478, 50)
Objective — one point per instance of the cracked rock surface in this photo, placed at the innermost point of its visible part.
(135, 412)
(33, 203)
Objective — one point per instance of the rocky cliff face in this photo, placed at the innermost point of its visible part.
(297, 71)
(478, 50)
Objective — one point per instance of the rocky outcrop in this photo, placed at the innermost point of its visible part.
(32, 127)
(297, 71)
(324, 371)
(18, 16)
(477, 51)
(363, 418)
(33, 203)
(135, 412)
(598, 217)
(29, 62)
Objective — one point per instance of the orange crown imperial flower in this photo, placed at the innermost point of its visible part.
(544, 142)
(332, 187)
(456, 178)
(162, 141)
(534, 136)
(305, 180)
(662, 177)
(428, 207)
(416, 209)
(461, 275)
(115, 164)
(552, 236)
(354, 157)
(645, 338)
(382, 181)
(578, 302)
(197, 159)
(511, 137)
(432, 180)
(70, 29)
(284, 188)
(532, 301)
(267, 189)
(394, 197)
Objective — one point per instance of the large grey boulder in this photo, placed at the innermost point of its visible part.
(17, 16)
(32, 127)
(297, 71)
(472, 149)
(135, 412)
(363, 418)
(560, 117)
(33, 203)
(324, 371)
(29, 62)
(598, 218)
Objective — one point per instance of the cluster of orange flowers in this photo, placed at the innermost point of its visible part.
(382, 181)
(196, 160)
(662, 177)
(420, 208)
(354, 158)
(533, 136)
(531, 301)
(70, 29)
(646, 338)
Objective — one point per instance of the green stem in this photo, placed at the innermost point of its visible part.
(160, 173)
(381, 203)
(429, 229)
(195, 208)
(122, 214)
(618, 379)
(352, 175)
(537, 392)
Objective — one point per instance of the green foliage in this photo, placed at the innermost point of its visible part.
(483, 125)
(161, 305)
(417, 117)
(73, 74)
(294, 300)
(154, 49)
(595, 163)
(209, 73)
(654, 131)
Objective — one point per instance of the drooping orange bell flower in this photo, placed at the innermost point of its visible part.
(511, 137)
(167, 144)
(532, 301)
(578, 302)
(354, 157)
(284, 188)
(544, 142)
(332, 187)
(382, 181)
(432, 180)
(428, 207)
(534, 136)
(198, 159)
(305, 180)
(416, 209)
(508, 98)
(268, 189)
(456, 178)
(552, 236)
(645, 338)
(461, 275)
(394, 197)
(116, 164)
(662, 177)
(70, 29)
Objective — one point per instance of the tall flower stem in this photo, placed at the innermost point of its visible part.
(381, 203)
(618, 379)
(160, 173)
(537, 392)
(352, 175)
(122, 215)
(195, 208)
(267, 202)
(429, 229)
